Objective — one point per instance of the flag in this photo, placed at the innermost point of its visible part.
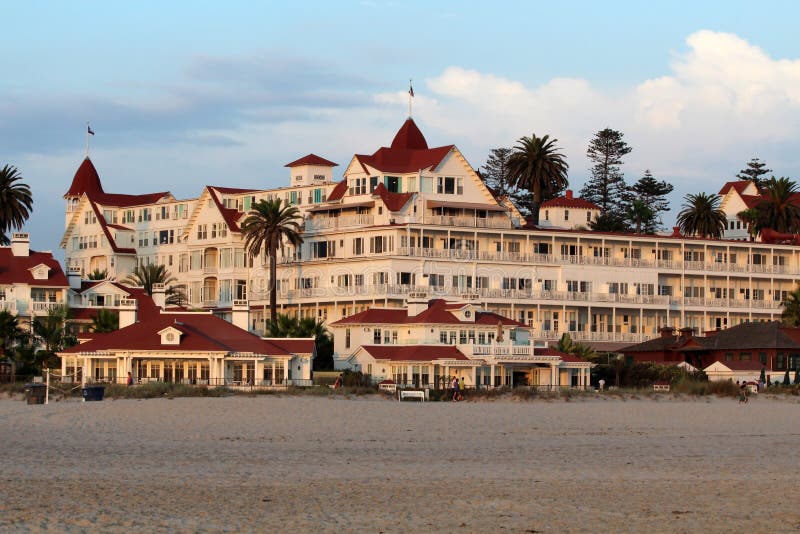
(411, 90)
(89, 130)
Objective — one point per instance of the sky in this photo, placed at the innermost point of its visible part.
(184, 94)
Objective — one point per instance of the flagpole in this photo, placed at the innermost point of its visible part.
(410, 96)
(87, 139)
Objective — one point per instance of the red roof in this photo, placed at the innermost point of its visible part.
(233, 190)
(407, 353)
(338, 192)
(230, 215)
(409, 136)
(570, 202)
(392, 201)
(409, 152)
(739, 186)
(86, 180)
(16, 269)
(201, 332)
(118, 227)
(104, 226)
(312, 159)
(438, 312)
(752, 200)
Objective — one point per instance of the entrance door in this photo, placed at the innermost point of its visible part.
(520, 378)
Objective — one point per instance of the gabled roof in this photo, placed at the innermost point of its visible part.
(312, 159)
(570, 202)
(738, 185)
(392, 201)
(201, 332)
(438, 312)
(233, 190)
(17, 269)
(738, 365)
(338, 192)
(409, 136)
(415, 353)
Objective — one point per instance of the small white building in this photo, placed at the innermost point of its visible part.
(429, 342)
(567, 212)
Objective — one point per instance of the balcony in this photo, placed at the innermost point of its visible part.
(44, 307)
(347, 221)
(469, 222)
(8, 305)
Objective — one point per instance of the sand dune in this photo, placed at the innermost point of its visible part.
(306, 464)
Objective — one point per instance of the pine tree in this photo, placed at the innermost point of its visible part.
(652, 194)
(607, 187)
(494, 172)
(754, 171)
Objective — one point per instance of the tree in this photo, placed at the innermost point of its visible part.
(701, 216)
(777, 210)
(567, 345)
(641, 216)
(16, 202)
(750, 218)
(286, 326)
(147, 276)
(754, 171)
(536, 165)
(105, 321)
(791, 308)
(609, 222)
(652, 194)
(606, 186)
(494, 172)
(266, 228)
(9, 332)
(52, 331)
(98, 274)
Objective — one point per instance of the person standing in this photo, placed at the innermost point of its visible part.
(462, 387)
(130, 379)
(454, 389)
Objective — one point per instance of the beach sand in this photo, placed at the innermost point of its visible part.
(303, 464)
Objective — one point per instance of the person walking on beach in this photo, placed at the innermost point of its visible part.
(130, 379)
(454, 389)
(743, 393)
(461, 389)
(338, 383)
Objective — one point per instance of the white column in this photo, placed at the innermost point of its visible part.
(286, 371)
(409, 373)
(475, 376)
(273, 373)
(552, 376)
(491, 375)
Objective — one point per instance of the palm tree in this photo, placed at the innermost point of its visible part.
(9, 331)
(104, 321)
(53, 331)
(701, 216)
(750, 218)
(567, 345)
(16, 202)
(778, 210)
(791, 308)
(267, 226)
(98, 274)
(536, 165)
(146, 276)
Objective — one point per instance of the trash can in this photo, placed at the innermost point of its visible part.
(35, 393)
(93, 393)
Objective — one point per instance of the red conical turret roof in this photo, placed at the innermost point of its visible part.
(86, 180)
(409, 136)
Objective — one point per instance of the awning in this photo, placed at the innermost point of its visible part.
(333, 207)
(464, 205)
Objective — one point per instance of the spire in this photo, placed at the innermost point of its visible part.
(409, 137)
(86, 180)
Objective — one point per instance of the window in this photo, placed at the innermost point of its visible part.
(347, 338)
(566, 215)
(376, 336)
(358, 246)
(393, 184)
(546, 215)
(202, 231)
(447, 186)
(618, 288)
(436, 280)
(588, 216)
(405, 279)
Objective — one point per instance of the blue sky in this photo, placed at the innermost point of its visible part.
(182, 94)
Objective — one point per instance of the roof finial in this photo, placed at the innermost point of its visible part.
(410, 96)
(89, 132)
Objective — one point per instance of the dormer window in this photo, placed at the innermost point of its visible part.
(467, 314)
(40, 272)
(170, 336)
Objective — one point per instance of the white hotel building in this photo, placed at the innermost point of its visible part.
(409, 221)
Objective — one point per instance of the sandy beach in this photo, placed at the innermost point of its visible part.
(302, 464)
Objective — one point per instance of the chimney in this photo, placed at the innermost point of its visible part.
(240, 314)
(74, 278)
(160, 295)
(20, 244)
(686, 333)
(667, 331)
(415, 306)
(127, 312)
(569, 193)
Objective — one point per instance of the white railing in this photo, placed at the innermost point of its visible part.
(470, 222)
(8, 305)
(44, 306)
(323, 223)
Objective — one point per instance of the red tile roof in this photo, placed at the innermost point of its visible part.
(566, 202)
(16, 269)
(86, 180)
(752, 200)
(312, 159)
(738, 185)
(416, 353)
(409, 152)
(392, 201)
(338, 192)
(111, 241)
(233, 190)
(438, 312)
(201, 332)
(230, 215)
(118, 227)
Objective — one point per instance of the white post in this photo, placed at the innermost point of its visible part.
(286, 372)
(491, 375)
